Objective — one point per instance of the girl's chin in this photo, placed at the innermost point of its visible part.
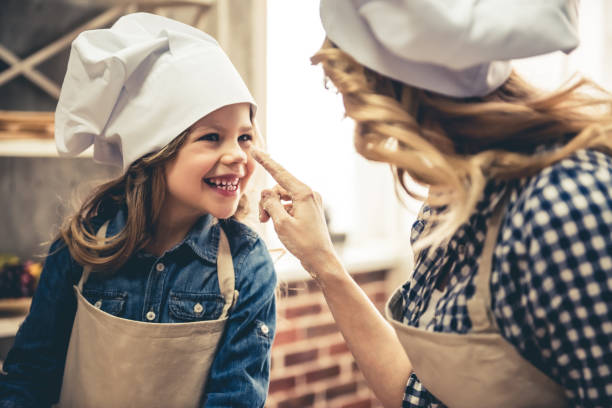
(223, 217)
(223, 213)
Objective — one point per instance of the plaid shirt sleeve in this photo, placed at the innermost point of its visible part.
(416, 396)
(556, 278)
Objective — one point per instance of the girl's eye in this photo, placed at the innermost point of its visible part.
(210, 137)
(245, 138)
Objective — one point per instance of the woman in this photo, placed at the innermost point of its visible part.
(509, 304)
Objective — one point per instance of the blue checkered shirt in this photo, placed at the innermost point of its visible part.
(551, 282)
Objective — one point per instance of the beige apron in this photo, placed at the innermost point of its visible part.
(115, 362)
(480, 368)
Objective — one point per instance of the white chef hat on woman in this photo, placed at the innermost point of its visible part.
(458, 48)
(131, 89)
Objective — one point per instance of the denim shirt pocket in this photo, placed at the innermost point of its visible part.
(192, 306)
(109, 301)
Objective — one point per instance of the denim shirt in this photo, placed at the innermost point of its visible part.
(169, 286)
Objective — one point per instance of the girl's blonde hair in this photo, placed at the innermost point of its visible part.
(141, 192)
(454, 146)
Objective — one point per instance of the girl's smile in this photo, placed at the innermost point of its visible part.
(227, 185)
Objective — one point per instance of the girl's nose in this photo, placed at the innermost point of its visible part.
(234, 153)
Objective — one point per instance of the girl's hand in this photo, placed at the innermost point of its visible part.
(300, 221)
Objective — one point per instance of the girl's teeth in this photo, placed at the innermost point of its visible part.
(225, 184)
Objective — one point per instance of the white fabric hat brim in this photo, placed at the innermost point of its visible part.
(184, 90)
(458, 48)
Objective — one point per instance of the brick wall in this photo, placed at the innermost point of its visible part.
(311, 364)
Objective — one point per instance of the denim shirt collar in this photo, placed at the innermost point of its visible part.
(202, 238)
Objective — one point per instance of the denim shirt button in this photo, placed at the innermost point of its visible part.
(98, 304)
(264, 329)
(150, 315)
(160, 267)
(198, 308)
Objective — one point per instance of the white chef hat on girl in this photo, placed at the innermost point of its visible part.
(458, 48)
(131, 89)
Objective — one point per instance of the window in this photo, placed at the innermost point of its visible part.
(307, 133)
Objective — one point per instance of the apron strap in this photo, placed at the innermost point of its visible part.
(479, 306)
(100, 236)
(225, 273)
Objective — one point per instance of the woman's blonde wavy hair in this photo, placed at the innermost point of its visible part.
(141, 191)
(454, 146)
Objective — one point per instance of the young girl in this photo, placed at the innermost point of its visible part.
(154, 294)
(509, 303)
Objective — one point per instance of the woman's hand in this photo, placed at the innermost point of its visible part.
(300, 225)
(298, 217)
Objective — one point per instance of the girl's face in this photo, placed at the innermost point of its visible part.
(212, 168)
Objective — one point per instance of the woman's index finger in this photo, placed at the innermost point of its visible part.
(278, 172)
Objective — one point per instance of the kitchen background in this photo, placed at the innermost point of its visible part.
(270, 42)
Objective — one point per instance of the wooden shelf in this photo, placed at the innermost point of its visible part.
(33, 148)
(26, 125)
(10, 324)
